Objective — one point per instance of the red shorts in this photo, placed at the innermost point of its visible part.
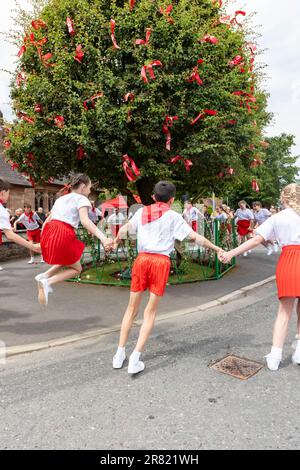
(288, 272)
(195, 225)
(115, 230)
(34, 235)
(60, 245)
(150, 271)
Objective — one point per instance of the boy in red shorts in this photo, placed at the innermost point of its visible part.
(157, 228)
(32, 222)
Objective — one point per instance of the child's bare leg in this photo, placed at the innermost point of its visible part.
(298, 318)
(282, 321)
(70, 271)
(129, 316)
(53, 270)
(148, 323)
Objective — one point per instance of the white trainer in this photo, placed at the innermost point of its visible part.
(44, 290)
(41, 276)
(270, 251)
(1, 269)
(296, 357)
(31, 261)
(272, 362)
(135, 367)
(42, 261)
(275, 247)
(246, 253)
(118, 360)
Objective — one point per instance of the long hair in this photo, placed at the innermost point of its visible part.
(75, 182)
(291, 195)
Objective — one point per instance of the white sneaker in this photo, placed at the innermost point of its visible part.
(275, 248)
(31, 261)
(118, 360)
(44, 290)
(135, 367)
(296, 357)
(270, 251)
(41, 276)
(246, 253)
(272, 362)
(1, 269)
(42, 261)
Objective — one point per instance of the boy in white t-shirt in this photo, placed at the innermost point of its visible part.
(5, 225)
(94, 213)
(33, 224)
(157, 228)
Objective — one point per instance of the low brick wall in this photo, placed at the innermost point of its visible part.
(10, 250)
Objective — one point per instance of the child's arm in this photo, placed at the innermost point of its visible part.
(202, 241)
(93, 229)
(14, 237)
(226, 257)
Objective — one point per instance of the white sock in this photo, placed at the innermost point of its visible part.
(276, 352)
(135, 356)
(298, 345)
(120, 351)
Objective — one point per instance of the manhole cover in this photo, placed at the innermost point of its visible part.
(237, 367)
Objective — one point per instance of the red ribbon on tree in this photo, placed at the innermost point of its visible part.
(112, 29)
(38, 108)
(70, 26)
(237, 13)
(144, 42)
(7, 144)
(206, 112)
(90, 102)
(80, 153)
(45, 58)
(21, 51)
(167, 12)
(20, 78)
(187, 163)
(255, 163)
(255, 186)
(131, 170)
(237, 60)
(210, 39)
(230, 171)
(195, 77)
(37, 24)
(129, 96)
(131, 4)
(59, 121)
(79, 54)
(169, 120)
(220, 3)
(25, 118)
(149, 68)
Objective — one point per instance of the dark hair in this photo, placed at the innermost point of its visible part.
(257, 203)
(164, 191)
(4, 185)
(75, 182)
(27, 205)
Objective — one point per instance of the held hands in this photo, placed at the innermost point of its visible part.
(36, 247)
(108, 244)
(225, 256)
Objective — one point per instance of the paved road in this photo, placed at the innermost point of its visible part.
(75, 308)
(70, 397)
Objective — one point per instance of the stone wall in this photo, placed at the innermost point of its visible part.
(10, 250)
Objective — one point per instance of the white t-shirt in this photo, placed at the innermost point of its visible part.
(283, 227)
(66, 208)
(94, 215)
(4, 219)
(244, 214)
(116, 219)
(24, 219)
(191, 215)
(222, 217)
(261, 216)
(159, 236)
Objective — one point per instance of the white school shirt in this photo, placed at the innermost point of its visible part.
(283, 227)
(262, 215)
(191, 215)
(24, 219)
(245, 214)
(222, 217)
(66, 208)
(159, 236)
(116, 219)
(94, 216)
(4, 219)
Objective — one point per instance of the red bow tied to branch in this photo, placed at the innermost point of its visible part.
(25, 118)
(255, 186)
(249, 98)
(70, 26)
(7, 144)
(112, 30)
(131, 4)
(220, 2)
(149, 68)
(79, 54)
(131, 170)
(187, 163)
(255, 163)
(210, 39)
(195, 77)
(59, 121)
(237, 60)
(166, 12)
(90, 102)
(129, 96)
(80, 153)
(20, 78)
(167, 124)
(237, 13)
(206, 112)
(37, 24)
(144, 42)
(45, 58)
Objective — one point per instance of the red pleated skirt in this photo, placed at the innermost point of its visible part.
(288, 272)
(59, 244)
(243, 227)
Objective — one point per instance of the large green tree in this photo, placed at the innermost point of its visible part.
(130, 77)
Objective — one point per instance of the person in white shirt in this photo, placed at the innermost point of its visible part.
(94, 213)
(115, 221)
(283, 227)
(260, 216)
(32, 223)
(244, 218)
(157, 228)
(191, 215)
(5, 225)
(60, 246)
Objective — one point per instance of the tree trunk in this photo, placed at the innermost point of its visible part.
(145, 190)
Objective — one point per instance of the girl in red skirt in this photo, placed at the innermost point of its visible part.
(283, 227)
(59, 244)
(244, 218)
(32, 223)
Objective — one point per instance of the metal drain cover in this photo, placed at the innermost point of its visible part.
(237, 367)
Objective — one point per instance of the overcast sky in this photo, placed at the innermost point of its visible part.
(278, 23)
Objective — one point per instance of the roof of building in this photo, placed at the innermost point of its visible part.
(12, 176)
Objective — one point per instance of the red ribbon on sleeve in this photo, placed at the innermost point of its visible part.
(79, 54)
(144, 42)
(149, 68)
(131, 170)
(112, 29)
(187, 163)
(70, 26)
(169, 120)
